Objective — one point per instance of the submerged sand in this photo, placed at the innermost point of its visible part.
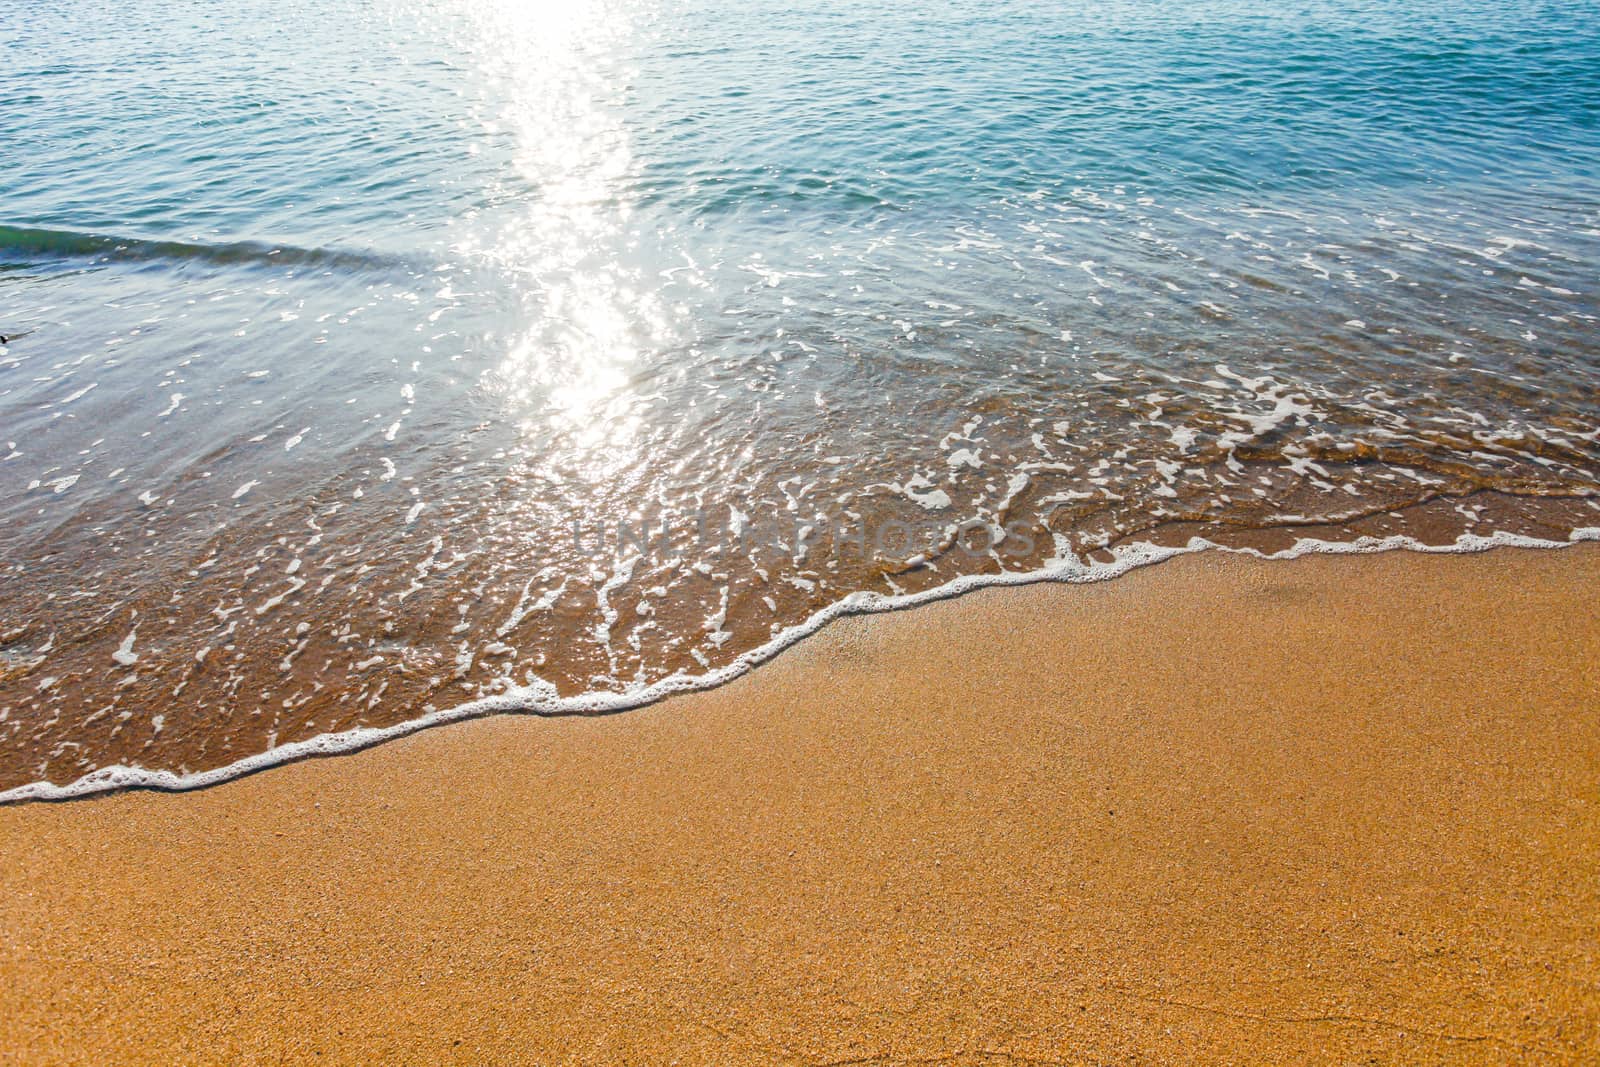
(1220, 810)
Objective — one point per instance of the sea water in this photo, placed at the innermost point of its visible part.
(375, 362)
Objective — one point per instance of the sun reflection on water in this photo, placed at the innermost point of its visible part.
(585, 316)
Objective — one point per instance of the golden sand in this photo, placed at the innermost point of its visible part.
(1341, 810)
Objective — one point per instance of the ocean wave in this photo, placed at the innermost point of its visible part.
(541, 699)
(43, 243)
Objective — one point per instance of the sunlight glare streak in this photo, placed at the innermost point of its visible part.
(587, 314)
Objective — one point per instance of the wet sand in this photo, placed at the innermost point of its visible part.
(1330, 811)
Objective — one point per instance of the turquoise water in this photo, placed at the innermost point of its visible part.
(379, 126)
(367, 357)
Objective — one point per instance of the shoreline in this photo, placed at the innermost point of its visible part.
(1224, 809)
(536, 701)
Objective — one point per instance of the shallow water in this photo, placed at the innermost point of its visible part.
(380, 355)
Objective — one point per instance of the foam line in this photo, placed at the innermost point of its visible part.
(541, 699)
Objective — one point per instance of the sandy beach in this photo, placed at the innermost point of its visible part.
(1339, 810)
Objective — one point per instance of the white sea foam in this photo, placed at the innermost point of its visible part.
(125, 655)
(539, 698)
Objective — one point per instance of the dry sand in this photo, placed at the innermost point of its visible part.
(1342, 810)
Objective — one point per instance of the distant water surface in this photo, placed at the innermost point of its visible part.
(367, 357)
